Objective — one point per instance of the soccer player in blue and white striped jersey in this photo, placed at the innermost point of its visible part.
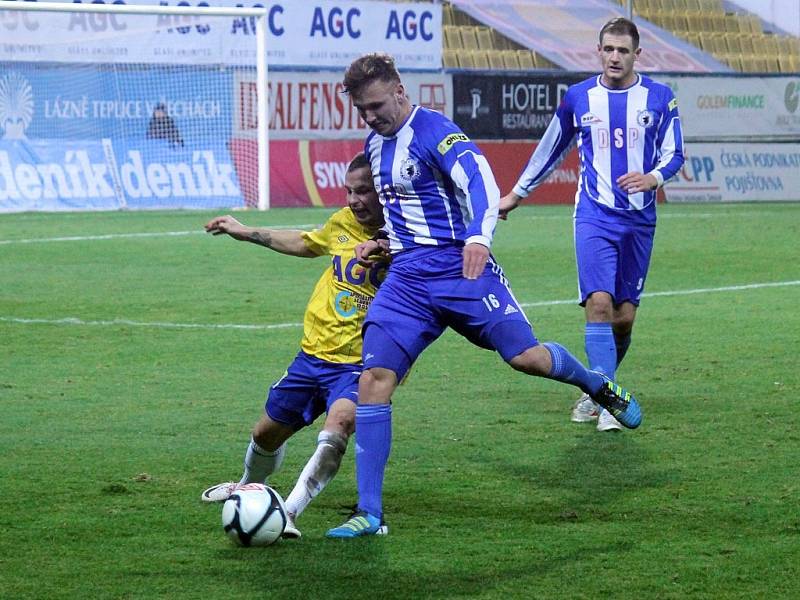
(630, 142)
(440, 204)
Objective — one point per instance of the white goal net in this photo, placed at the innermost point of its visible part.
(115, 106)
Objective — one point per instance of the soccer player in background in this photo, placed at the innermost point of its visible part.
(630, 142)
(324, 375)
(440, 204)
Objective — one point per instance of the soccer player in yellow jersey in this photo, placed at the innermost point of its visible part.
(324, 375)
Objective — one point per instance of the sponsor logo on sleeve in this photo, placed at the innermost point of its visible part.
(590, 119)
(450, 141)
(673, 104)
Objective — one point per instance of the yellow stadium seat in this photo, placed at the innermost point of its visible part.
(510, 59)
(448, 17)
(465, 60)
(740, 24)
(694, 22)
(480, 59)
(718, 22)
(785, 44)
(755, 23)
(653, 16)
(496, 59)
(526, 59)
(732, 41)
(469, 41)
(720, 43)
(680, 22)
(484, 37)
(748, 64)
(734, 62)
(693, 38)
(746, 43)
(452, 37)
(450, 58)
(712, 6)
(705, 42)
(769, 43)
(773, 66)
(793, 64)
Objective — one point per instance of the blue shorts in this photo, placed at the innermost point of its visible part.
(308, 388)
(424, 293)
(612, 258)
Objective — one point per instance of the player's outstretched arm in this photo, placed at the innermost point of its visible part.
(508, 203)
(285, 241)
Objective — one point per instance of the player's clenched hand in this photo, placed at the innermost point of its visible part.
(475, 257)
(508, 203)
(226, 224)
(372, 251)
(634, 182)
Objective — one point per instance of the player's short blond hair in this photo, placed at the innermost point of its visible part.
(377, 66)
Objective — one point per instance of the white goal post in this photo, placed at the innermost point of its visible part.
(184, 48)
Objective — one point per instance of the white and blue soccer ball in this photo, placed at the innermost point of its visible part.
(254, 515)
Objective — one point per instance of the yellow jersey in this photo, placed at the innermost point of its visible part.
(339, 302)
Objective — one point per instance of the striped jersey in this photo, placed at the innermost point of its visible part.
(339, 302)
(618, 131)
(436, 187)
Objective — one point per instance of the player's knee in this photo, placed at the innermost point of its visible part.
(533, 361)
(269, 434)
(341, 418)
(599, 308)
(375, 386)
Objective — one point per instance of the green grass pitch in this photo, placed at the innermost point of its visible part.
(125, 390)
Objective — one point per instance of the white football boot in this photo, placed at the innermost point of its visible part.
(291, 531)
(607, 422)
(585, 410)
(219, 492)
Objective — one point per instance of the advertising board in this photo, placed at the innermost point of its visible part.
(734, 172)
(318, 34)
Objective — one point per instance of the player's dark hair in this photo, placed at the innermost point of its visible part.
(359, 161)
(377, 66)
(621, 26)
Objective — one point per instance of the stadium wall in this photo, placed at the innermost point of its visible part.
(73, 131)
(742, 132)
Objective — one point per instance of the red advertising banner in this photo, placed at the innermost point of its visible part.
(311, 172)
(508, 159)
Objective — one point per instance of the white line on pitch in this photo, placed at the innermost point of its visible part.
(535, 217)
(730, 288)
(167, 325)
(114, 236)
(156, 324)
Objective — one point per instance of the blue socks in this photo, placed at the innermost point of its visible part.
(601, 348)
(568, 369)
(373, 443)
(622, 342)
